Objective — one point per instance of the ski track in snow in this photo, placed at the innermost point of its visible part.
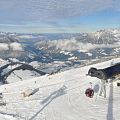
(61, 97)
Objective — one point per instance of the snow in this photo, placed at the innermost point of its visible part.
(66, 53)
(73, 58)
(89, 54)
(34, 63)
(14, 59)
(7, 117)
(61, 97)
(17, 75)
(2, 62)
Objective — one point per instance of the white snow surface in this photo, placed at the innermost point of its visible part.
(89, 54)
(61, 97)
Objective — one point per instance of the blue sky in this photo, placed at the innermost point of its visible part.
(56, 16)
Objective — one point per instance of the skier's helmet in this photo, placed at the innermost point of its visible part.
(89, 92)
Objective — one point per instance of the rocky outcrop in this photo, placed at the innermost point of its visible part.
(22, 66)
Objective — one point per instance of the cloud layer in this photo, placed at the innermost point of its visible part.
(14, 46)
(72, 45)
(49, 10)
(3, 46)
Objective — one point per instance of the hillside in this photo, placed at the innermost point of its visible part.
(60, 97)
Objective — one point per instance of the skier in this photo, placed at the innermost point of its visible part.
(103, 88)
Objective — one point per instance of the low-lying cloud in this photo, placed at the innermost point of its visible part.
(72, 45)
(16, 46)
(4, 46)
(12, 46)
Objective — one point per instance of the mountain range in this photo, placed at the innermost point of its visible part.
(60, 49)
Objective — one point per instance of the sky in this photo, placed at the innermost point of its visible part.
(58, 16)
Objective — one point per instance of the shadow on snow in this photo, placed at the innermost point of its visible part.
(50, 98)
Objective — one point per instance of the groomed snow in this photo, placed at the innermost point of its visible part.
(61, 97)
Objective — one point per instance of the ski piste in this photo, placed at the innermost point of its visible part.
(53, 100)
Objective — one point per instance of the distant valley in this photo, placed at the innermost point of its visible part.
(53, 52)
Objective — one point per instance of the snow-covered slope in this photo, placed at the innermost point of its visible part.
(61, 97)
